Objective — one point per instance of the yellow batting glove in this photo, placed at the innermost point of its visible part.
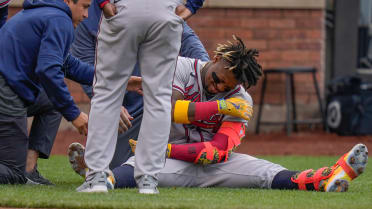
(236, 107)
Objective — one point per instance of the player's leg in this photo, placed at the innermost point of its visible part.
(157, 58)
(116, 56)
(240, 171)
(337, 177)
(42, 136)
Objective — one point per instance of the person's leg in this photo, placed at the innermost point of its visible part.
(124, 176)
(13, 149)
(13, 136)
(42, 136)
(123, 151)
(3, 15)
(240, 171)
(282, 180)
(157, 58)
(116, 57)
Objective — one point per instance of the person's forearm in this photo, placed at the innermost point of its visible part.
(217, 150)
(78, 71)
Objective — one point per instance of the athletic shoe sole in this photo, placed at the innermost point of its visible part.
(76, 158)
(356, 159)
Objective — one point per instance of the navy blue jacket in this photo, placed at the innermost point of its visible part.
(3, 15)
(34, 54)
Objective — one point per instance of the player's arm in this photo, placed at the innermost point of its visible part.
(217, 150)
(184, 111)
(227, 138)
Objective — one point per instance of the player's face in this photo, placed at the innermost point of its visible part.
(219, 78)
(79, 10)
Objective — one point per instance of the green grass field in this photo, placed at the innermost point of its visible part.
(58, 170)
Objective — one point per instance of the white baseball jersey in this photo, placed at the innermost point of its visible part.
(187, 80)
(240, 171)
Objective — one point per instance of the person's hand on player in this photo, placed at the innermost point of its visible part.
(135, 84)
(81, 123)
(109, 10)
(124, 122)
(183, 12)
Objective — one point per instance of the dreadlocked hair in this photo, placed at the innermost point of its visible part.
(242, 61)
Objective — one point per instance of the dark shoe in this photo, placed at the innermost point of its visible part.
(36, 178)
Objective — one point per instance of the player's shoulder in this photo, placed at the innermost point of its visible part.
(186, 62)
(186, 66)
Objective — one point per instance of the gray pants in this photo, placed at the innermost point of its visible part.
(149, 31)
(240, 171)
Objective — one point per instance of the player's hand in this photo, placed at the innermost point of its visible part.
(124, 122)
(81, 123)
(183, 12)
(135, 84)
(109, 10)
(236, 107)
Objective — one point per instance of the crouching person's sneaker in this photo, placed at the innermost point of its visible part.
(148, 185)
(35, 178)
(99, 182)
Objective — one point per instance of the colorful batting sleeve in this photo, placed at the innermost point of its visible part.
(217, 150)
(203, 111)
(194, 5)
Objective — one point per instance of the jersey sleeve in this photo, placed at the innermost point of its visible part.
(182, 74)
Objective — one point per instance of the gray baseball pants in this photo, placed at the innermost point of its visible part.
(240, 171)
(149, 31)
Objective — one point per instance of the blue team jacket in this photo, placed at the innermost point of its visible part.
(34, 54)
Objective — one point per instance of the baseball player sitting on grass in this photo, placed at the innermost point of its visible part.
(210, 109)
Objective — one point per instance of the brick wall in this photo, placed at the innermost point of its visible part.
(284, 37)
